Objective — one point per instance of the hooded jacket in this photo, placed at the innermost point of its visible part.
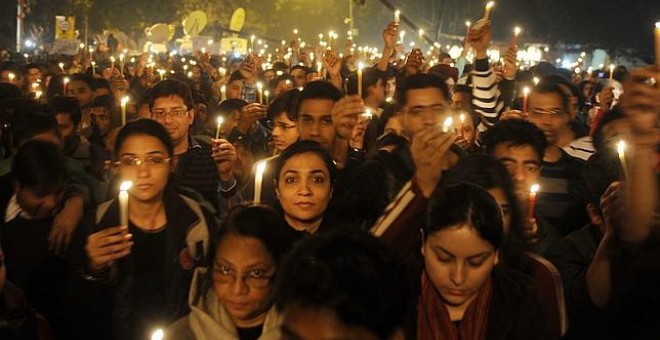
(208, 320)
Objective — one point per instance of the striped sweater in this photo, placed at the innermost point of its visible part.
(487, 100)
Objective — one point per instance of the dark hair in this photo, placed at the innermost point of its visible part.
(488, 173)
(198, 98)
(298, 67)
(420, 81)
(171, 87)
(319, 90)
(236, 75)
(465, 203)
(370, 77)
(301, 147)
(610, 116)
(55, 86)
(286, 103)
(230, 105)
(350, 273)
(105, 101)
(101, 83)
(515, 132)
(67, 105)
(41, 166)
(146, 127)
(552, 87)
(9, 91)
(260, 222)
(277, 80)
(87, 79)
(25, 125)
(601, 169)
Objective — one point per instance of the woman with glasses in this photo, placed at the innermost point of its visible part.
(139, 273)
(233, 298)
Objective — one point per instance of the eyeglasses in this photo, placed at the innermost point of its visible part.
(552, 113)
(176, 113)
(254, 278)
(132, 161)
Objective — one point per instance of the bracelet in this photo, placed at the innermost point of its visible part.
(91, 277)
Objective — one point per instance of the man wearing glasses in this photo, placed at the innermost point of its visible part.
(206, 169)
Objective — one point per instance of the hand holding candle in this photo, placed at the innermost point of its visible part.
(258, 180)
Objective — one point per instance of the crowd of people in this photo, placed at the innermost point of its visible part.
(418, 197)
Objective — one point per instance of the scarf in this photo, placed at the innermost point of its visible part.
(434, 323)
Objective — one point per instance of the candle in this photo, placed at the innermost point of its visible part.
(82, 45)
(657, 44)
(61, 65)
(421, 38)
(319, 68)
(11, 77)
(468, 24)
(525, 98)
(402, 35)
(532, 199)
(621, 150)
(611, 73)
(121, 63)
(462, 118)
(489, 6)
(158, 335)
(516, 33)
(359, 78)
(252, 37)
(536, 81)
(397, 16)
(446, 126)
(223, 93)
(93, 68)
(65, 82)
(112, 63)
(37, 95)
(260, 89)
(124, 101)
(258, 179)
(123, 202)
(219, 122)
(267, 93)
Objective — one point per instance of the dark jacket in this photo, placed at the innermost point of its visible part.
(18, 321)
(107, 300)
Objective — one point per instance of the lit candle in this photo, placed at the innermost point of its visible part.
(489, 6)
(421, 38)
(525, 98)
(267, 93)
(121, 63)
(65, 81)
(61, 65)
(37, 95)
(657, 44)
(397, 16)
(252, 37)
(260, 90)
(258, 179)
(468, 24)
(516, 33)
(112, 63)
(359, 78)
(446, 126)
(93, 68)
(11, 77)
(462, 118)
(223, 93)
(123, 202)
(219, 122)
(536, 81)
(124, 101)
(158, 335)
(82, 46)
(402, 35)
(621, 150)
(532, 199)
(611, 73)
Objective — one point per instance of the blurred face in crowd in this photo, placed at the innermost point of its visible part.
(144, 160)
(424, 109)
(377, 92)
(299, 77)
(548, 114)
(309, 323)
(36, 202)
(67, 128)
(500, 197)
(100, 119)
(234, 89)
(33, 75)
(458, 261)
(304, 190)
(460, 100)
(242, 274)
(201, 111)
(394, 125)
(81, 91)
(390, 88)
(269, 75)
(283, 86)
(469, 132)
(522, 162)
(285, 132)
(196, 73)
(172, 113)
(315, 121)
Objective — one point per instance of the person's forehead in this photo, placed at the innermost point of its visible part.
(425, 95)
(317, 107)
(169, 101)
(520, 152)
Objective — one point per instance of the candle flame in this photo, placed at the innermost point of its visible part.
(124, 101)
(223, 88)
(220, 120)
(447, 124)
(260, 85)
(360, 66)
(266, 93)
(126, 185)
(657, 25)
(526, 91)
(517, 30)
(295, 31)
(112, 59)
(468, 24)
(122, 56)
(534, 189)
(490, 4)
(421, 32)
(462, 117)
(158, 335)
(621, 147)
(611, 67)
(367, 114)
(536, 81)
(66, 80)
(261, 168)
